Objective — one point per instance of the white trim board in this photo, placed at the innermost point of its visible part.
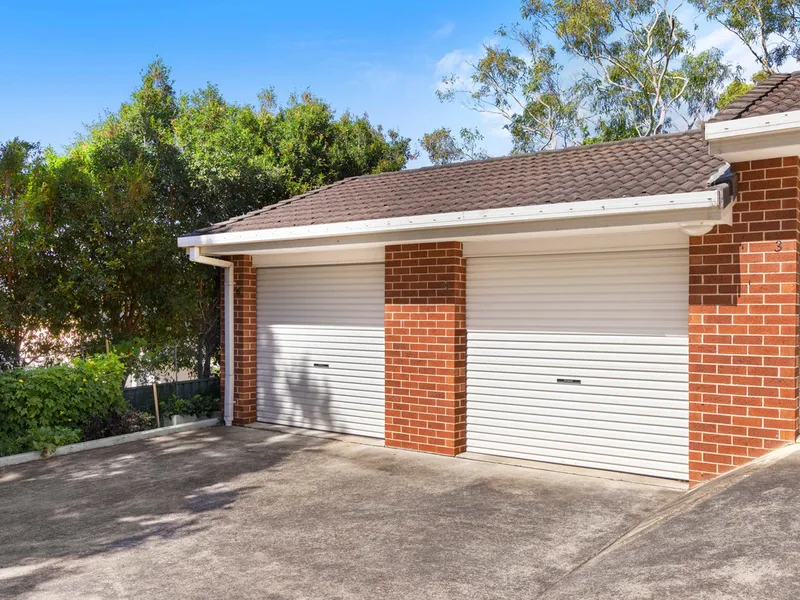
(758, 147)
(759, 125)
(678, 220)
(755, 138)
(706, 200)
(638, 240)
(335, 256)
(494, 246)
(508, 245)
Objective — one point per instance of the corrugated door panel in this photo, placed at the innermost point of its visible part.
(321, 348)
(581, 359)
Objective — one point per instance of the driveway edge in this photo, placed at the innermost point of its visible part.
(17, 459)
(683, 503)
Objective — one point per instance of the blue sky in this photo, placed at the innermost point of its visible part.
(66, 63)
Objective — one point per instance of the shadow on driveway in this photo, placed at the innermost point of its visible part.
(117, 498)
(243, 513)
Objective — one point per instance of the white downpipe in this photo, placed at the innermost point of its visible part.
(196, 256)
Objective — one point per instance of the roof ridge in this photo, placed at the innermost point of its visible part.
(784, 77)
(756, 94)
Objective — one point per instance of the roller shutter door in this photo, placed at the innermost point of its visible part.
(321, 348)
(580, 359)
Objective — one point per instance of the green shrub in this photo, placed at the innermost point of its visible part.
(117, 422)
(196, 406)
(40, 439)
(50, 400)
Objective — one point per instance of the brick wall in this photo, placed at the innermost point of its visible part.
(743, 324)
(425, 318)
(244, 332)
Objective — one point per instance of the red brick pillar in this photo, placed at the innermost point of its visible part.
(743, 324)
(244, 333)
(425, 320)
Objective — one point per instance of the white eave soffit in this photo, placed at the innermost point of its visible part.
(755, 138)
(710, 203)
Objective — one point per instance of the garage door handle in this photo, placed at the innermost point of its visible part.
(323, 365)
(565, 380)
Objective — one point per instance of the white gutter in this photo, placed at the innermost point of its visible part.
(196, 256)
(591, 208)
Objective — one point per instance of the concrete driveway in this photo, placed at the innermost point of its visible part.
(736, 538)
(242, 513)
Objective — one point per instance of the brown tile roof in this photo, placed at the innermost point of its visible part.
(777, 93)
(662, 164)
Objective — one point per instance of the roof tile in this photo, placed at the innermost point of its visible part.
(778, 93)
(662, 164)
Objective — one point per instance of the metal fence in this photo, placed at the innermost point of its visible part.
(141, 397)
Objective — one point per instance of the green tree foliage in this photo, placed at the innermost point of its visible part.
(21, 269)
(524, 88)
(443, 147)
(638, 73)
(738, 88)
(735, 90)
(769, 29)
(639, 69)
(107, 213)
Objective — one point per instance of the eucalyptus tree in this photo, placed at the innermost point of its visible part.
(639, 72)
(442, 147)
(634, 69)
(519, 80)
(769, 29)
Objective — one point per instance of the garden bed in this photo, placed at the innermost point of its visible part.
(15, 459)
(47, 409)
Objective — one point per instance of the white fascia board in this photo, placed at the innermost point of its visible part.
(585, 209)
(757, 147)
(750, 126)
(619, 224)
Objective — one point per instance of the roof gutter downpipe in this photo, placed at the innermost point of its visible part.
(196, 256)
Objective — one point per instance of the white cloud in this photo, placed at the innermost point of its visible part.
(374, 75)
(445, 30)
(493, 126)
(460, 61)
(734, 51)
(732, 48)
(457, 63)
(460, 64)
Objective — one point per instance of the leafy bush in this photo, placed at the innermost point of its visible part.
(60, 396)
(196, 406)
(43, 408)
(40, 439)
(117, 422)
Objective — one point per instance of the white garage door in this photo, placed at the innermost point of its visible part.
(321, 348)
(580, 359)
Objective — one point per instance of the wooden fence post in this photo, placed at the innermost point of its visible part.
(155, 403)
